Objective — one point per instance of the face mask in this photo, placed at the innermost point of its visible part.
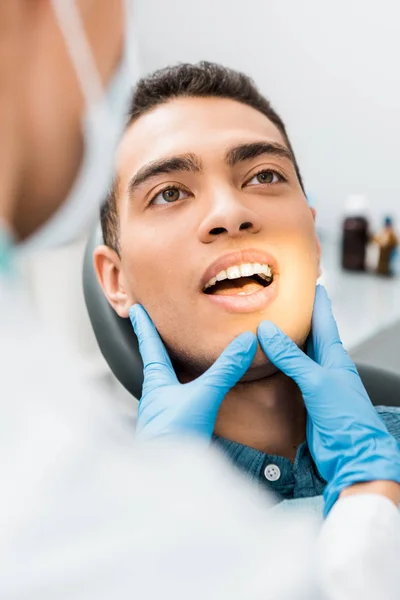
(6, 251)
(102, 124)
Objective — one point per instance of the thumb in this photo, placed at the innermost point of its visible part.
(285, 355)
(156, 362)
(232, 364)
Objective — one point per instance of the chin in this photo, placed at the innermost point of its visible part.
(190, 366)
(260, 368)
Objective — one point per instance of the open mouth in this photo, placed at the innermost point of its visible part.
(240, 280)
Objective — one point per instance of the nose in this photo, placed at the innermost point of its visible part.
(228, 217)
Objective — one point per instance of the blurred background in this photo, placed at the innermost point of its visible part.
(331, 71)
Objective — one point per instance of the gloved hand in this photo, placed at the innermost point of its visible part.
(347, 438)
(170, 408)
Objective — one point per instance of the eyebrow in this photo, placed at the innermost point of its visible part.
(173, 164)
(244, 152)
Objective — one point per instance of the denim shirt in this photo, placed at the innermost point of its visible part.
(288, 480)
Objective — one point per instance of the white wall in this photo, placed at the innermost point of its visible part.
(330, 68)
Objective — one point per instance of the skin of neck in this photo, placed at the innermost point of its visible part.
(267, 414)
(6, 194)
(12, 77)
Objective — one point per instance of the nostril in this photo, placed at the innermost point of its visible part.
(245, 225)
(217, 230)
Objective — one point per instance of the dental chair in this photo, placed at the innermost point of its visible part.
(119, 346)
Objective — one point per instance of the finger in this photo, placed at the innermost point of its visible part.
(232, 364)
(326, 343)
(285, 355)
(156, 362)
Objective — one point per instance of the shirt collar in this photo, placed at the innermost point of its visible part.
(295, 480)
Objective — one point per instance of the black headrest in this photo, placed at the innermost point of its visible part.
(119, 346)
(115, 336)
(383, 386)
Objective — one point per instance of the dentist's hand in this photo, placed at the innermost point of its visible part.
(347, 439)
(169, 408)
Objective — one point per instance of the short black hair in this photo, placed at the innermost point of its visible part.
(201, 80)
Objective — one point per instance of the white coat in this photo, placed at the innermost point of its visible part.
(86, 514)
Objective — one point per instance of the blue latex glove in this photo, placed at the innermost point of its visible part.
(170, 408)
(347, 439)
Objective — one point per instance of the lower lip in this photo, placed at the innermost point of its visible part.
(247, 303)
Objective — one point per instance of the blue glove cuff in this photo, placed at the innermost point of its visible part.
(384, 467)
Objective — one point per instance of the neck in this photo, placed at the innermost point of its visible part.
(5, 210)
(268, 415)
(13, 110)
(8, 172)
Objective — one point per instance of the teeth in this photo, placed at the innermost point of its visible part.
(265, 270)
(212, 281)
(233, 272)
(247, 270)
(243, 270)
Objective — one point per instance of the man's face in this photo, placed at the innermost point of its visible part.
(207, 190)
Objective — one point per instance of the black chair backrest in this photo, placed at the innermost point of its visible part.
(383, 386)
(115, 336)
(119, 346)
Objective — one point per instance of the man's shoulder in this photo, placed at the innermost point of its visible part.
(391, 416)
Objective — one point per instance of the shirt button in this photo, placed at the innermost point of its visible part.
(272, 472)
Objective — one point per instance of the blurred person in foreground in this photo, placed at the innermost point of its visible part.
(84, 512)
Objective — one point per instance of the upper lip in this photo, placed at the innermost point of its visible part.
(240, 257)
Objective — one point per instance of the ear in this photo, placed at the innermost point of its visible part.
(314, 214)
(107, 265)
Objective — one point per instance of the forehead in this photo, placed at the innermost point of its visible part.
(202, 126)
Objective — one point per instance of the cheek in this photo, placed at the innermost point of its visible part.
(154, 272)
(151, 271)
(299, 265)
(297, 243)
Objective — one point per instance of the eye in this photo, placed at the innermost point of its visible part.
(169, 195)
(266, 176)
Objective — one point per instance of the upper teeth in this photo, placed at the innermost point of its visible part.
(237, 271)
